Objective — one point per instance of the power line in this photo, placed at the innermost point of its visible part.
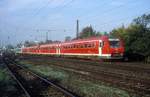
(110, 10)
(50, 1)
(68, 3)
(38, 10)
(61, 7)
(123, 19)
(109, 22)
(95, 8)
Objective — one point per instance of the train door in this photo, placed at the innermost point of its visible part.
(100, 47)
(58, 49)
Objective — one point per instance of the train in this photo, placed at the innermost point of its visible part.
(101, 47)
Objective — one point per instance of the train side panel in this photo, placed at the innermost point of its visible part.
(80, 48)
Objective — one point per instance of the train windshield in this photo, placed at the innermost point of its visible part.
(114, 43)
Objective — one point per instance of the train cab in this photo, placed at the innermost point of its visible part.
(111, 48)
(116, 48)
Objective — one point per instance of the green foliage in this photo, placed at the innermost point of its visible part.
(29, 43)
(87, 32)
(74, 81)
(144, 21)
(9, 47)
(98, 34)
(46, 70)
(119, 32)
(67, 38)
(136, 36)
(91, 89)
(7, 84)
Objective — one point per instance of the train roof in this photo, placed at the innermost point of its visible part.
(104, 37)
(89, 39)
(31, 47)
(50, 44)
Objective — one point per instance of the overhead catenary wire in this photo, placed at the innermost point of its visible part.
(109, 10)
(64, 5)
(104, 4)
(38, 10)
(94, 17)
(109, 22)
(121, 19)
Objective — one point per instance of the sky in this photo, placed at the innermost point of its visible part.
(22, 20)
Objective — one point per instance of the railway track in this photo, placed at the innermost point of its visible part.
(134, 84)
(34, 85)
(126, 82)
(113, 65)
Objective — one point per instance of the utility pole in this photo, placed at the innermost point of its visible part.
(77, 30)
(8, 39)
(0, 43)
(47, 34)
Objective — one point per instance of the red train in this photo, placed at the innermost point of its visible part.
(100, 47)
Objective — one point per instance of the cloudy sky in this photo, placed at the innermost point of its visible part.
(22, 20)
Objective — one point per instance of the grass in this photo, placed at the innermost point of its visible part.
(97, 90)
(7, 84)
(48, 71)
(75, 82)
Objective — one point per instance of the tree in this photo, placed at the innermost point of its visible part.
(143, 20)
(48, 41)
(29, 43)
(136, 36)
(139, 35)
(9, 47)
(119, 32)
(98, 34)
(19, 45)
(87, 32)
(67, 38)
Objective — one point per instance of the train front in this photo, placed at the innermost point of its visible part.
(116, 48)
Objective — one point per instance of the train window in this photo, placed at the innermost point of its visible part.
(85, 45)
(72, 46)
(101, 44)
(76, 46)
(89, 45)
(92, 44)
(114, 44)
